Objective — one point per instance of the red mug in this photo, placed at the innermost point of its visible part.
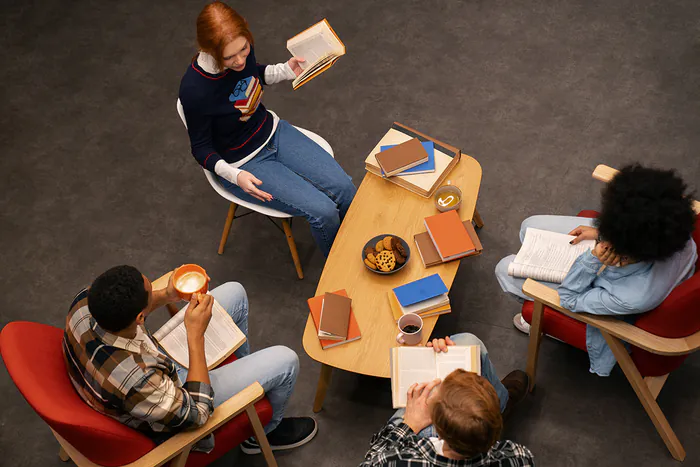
(189, 279)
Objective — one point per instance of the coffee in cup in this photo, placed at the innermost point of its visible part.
(189, 279)
(410, 327)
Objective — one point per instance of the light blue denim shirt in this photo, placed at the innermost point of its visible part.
(621, 291)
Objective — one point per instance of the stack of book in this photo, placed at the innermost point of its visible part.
(424, 297)
(334, 320)
(248, 94)
(447, 238)
(424, 180)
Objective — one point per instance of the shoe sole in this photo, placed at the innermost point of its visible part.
(286, 447)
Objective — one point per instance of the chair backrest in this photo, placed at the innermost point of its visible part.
(33, 355)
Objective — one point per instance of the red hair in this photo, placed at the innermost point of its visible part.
(217, 25)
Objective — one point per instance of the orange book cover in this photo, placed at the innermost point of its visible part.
(449, 235)
(315, 305)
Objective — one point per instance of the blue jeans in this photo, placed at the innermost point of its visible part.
(487, 371)
(561, 224)
(275, 368)
(304, 180)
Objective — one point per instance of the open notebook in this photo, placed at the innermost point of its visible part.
(547, 256)
(319, 46)
(221, 338)
(422, 364)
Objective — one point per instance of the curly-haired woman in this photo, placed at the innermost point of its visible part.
(644, 240)
(258, 157)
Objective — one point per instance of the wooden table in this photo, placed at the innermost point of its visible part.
(381, 207)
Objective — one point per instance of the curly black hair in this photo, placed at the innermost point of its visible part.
(116, 297)
(646, 214)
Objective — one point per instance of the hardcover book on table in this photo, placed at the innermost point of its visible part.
(426, 167)
(429, 254)
(315, 306)
(335, 317)
(424, 184)
(401, 157)
(449, 235)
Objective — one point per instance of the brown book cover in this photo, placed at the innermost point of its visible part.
(315, 305)
(428, 253)
(402, 157)
(335, 317)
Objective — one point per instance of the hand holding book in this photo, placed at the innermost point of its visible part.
(417, 415)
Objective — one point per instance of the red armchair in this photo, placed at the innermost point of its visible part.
(660, 339)
(33, 356)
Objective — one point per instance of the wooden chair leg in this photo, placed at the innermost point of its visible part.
(324, 380)
(292, 247)
(655, 383)
(260, 436)
(181, 459)
(533, 349)
(477, 219)
(227, 226)
(63, 455)
(645, 397)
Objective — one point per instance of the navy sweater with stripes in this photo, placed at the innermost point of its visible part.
(215, 126)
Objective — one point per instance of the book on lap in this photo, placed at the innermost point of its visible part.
(547, 256)
(221, 338)
(315, 307)
(319, 46)
(429, 254)
(401, 157)
(426, 167)
(449, 235)
(410, 365)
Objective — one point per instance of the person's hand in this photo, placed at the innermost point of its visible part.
(294, 64)
(583, 232)
(249, 183)
(198, 314)
(440, 345)
(170, 292)
(606, 255)
(417, 414)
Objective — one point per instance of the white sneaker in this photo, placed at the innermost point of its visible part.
(520, 324)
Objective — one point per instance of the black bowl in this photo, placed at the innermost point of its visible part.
(373, 241)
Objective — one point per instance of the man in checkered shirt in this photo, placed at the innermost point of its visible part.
(455, 422)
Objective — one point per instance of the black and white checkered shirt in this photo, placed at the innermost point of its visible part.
(398, 446)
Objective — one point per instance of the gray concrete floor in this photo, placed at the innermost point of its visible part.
(96, 171)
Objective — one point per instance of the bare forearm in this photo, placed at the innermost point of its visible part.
(198, 364)
(161, 298)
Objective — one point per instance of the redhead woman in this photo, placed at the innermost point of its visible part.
(257, 156)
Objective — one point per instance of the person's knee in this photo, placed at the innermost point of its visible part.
(467, 338)
(285, 358)
(502, 266)
(232, 291)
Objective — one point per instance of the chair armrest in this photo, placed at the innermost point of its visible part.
(605, 174)
(161, 282)
(185, 439)
(618, 328)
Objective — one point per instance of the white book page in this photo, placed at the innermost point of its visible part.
(416, 365)
(547, 256)
(222, 335)
(314, 44)
(455, 358)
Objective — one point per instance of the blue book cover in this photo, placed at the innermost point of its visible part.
(420, 290)
(425, 167)
(241, 90)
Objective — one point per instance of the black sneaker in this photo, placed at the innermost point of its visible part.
(516, 382)
(291, 433)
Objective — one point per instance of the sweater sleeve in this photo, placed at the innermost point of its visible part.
(199, 129)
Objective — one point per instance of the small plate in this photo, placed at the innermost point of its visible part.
(373, 241)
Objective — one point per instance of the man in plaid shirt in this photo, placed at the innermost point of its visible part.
(456, 422)
(118, 368)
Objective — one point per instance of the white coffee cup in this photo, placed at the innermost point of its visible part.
(410, 338)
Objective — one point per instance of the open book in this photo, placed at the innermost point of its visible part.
(422, 364)
(221, 338)
(319, 46)
(547, 256)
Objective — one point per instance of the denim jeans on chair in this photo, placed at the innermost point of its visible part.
(275, 368)
(304, 180)
(487, 371)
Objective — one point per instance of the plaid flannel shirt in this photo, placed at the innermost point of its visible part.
(129, 382)
(398, 446)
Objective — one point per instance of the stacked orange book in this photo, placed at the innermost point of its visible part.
(447, 238)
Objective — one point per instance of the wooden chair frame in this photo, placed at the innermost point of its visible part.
(616, 332)
(177, 449)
